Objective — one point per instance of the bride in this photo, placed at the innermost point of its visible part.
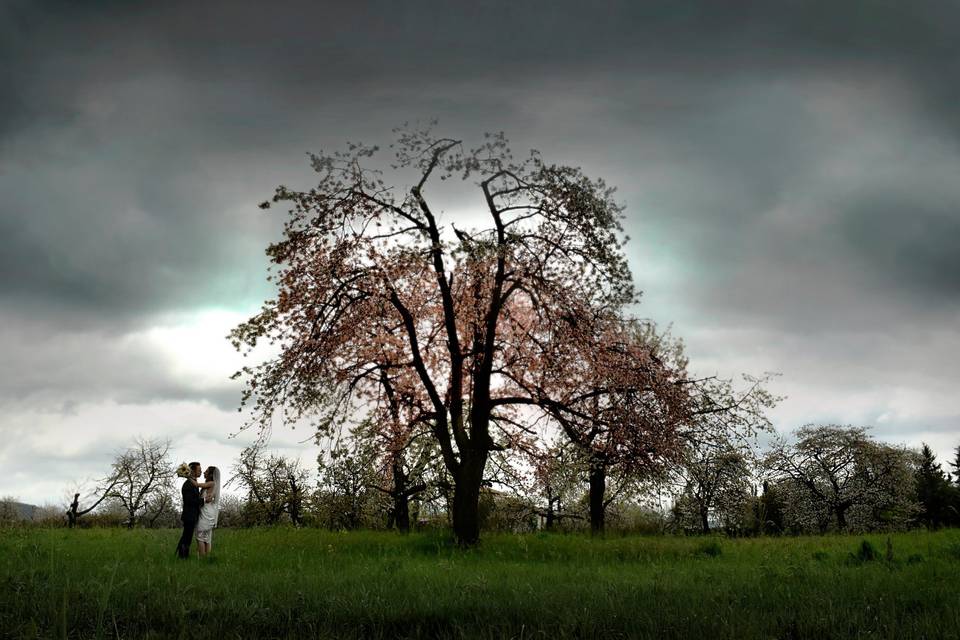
(210, 511)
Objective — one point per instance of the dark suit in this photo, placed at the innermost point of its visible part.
(189, 516)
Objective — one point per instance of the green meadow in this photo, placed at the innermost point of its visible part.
(290, 583)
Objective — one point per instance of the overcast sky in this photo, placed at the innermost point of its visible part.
(790, 171)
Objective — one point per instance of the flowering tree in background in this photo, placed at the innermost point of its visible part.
(555, 482)
(836, 475)
(405, 452)
(715, 470)
(610, 393)
(372, 281)
(626, 402)
(716, 482)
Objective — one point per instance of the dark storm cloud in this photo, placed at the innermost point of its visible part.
(791, 164)
(115, 236)
(125, 119)
(914, 238)
(849, 237)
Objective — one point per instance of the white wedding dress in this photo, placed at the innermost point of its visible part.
(210, 511)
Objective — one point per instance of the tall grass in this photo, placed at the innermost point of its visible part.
(280, 583)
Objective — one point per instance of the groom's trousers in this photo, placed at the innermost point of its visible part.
(183, 547)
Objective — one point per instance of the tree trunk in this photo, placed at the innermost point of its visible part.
(598, 489)
(705, 520)
(401, 512)
(72, 512)
(466, 497)
(293, 506)
(415, 514)
(841, 511)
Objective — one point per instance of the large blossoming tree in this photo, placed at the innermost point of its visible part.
(384, 307)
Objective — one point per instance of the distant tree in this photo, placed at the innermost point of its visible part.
(558, 474)
(605, 384)
(9, 511)
(108, 515)
(98, 495)
(370, 278)
(934, 492)
(274, 486)
(716, 484)
(231, 511)
(401, 448)
(716, 468)
(348, 480)
(402, 485)
(73, 513)
(888, 499)
(832, 472)
(143, 477)
(505, 511)
(48, 515)
(767, 510)
(953, 509)
(638, 515)
(695, 419)
(434, 506)
(822, 464)
(956, 466)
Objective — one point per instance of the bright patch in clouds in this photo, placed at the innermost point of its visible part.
(46, 454)
(195, 347)
(169, 380)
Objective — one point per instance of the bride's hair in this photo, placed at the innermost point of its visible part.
(214, 474)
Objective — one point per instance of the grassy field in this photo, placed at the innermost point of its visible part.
(279, 583)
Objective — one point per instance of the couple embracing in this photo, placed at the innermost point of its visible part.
(201, 508)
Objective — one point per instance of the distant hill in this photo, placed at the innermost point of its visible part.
(26, 510)
(23, 510)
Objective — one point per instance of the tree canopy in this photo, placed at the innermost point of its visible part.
(462, 333)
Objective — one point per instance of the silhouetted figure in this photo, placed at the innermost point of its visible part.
(191, 511)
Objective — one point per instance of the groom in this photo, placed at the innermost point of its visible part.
(191, 511)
